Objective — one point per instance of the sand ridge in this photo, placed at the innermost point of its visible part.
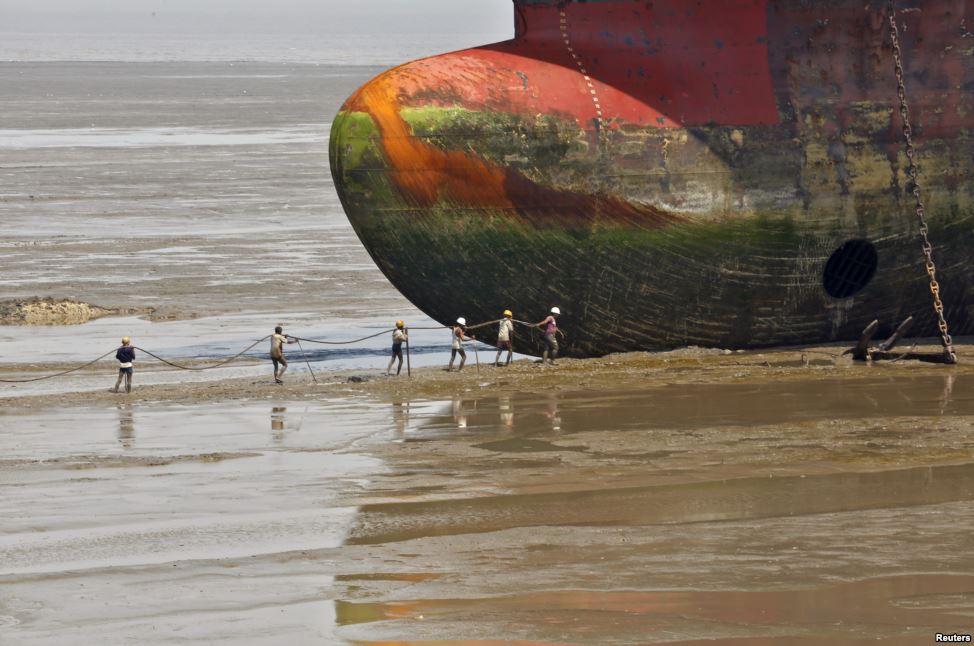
(47, 311)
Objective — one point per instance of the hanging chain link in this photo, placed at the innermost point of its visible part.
(912, 171)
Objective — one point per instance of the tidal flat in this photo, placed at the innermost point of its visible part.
(640, 498)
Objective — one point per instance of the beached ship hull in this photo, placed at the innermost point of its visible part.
(723, 173)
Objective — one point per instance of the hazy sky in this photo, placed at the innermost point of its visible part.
(493, 18)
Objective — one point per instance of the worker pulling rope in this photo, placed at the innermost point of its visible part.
(180, 366)
(223, 362)
(389, 331)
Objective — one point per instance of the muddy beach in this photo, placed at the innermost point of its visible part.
(694, 496)
(645, 498)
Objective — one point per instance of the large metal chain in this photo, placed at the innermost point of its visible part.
(938, 306)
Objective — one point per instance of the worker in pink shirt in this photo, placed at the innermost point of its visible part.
(549, 327)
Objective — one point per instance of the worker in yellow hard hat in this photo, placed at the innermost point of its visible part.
(505, 338)
(126, 359)
(399, 336)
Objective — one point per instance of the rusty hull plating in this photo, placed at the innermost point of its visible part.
(672, 172)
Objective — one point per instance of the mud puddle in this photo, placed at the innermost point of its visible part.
(813, 511)
(732, 499)
(691, 406)
(882, 606)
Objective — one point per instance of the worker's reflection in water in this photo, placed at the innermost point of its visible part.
(278, 416)
(551, 412)
(400, 417)
(126, 426)
(459, 413)
(506, 408)
(948, 394)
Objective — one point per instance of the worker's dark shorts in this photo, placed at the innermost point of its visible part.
(552, 342)
(397, 349)
(503, 345)
(125, 371)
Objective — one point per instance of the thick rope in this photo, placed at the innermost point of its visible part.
(299, 339)
(57, 374)
(229, 359)
(389, 331)
(201, 368)
(154, 356)
(536, 327)
(484, 324)
(322, 342)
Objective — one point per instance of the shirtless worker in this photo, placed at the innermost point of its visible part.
(278, 339)
(126, 359)
(505, 334)
(399, 335)
(551, 332)
(459, 336)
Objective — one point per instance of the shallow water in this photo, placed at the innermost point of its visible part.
(813, 511)
(133, 486)
(576, 516)
(894, 603)
(325, 45)
(176, 518)
(193, 188)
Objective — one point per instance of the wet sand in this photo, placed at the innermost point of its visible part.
(646, 498)
(827, 509)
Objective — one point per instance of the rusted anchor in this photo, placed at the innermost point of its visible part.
(863, 351)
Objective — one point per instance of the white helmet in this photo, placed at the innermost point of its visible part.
(462, 321)
(555, 310)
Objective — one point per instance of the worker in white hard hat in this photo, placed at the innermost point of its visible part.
(505, 338)
(459, 335)
(549, 327)
(126, 360)
(399, 335)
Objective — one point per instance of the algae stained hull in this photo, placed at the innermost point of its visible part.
(717, 172)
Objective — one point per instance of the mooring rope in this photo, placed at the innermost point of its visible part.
(224, 362)
(57, 374)
(323, 342)
(236, 356)
(201, 368)
(180, 366)
(391, 330)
